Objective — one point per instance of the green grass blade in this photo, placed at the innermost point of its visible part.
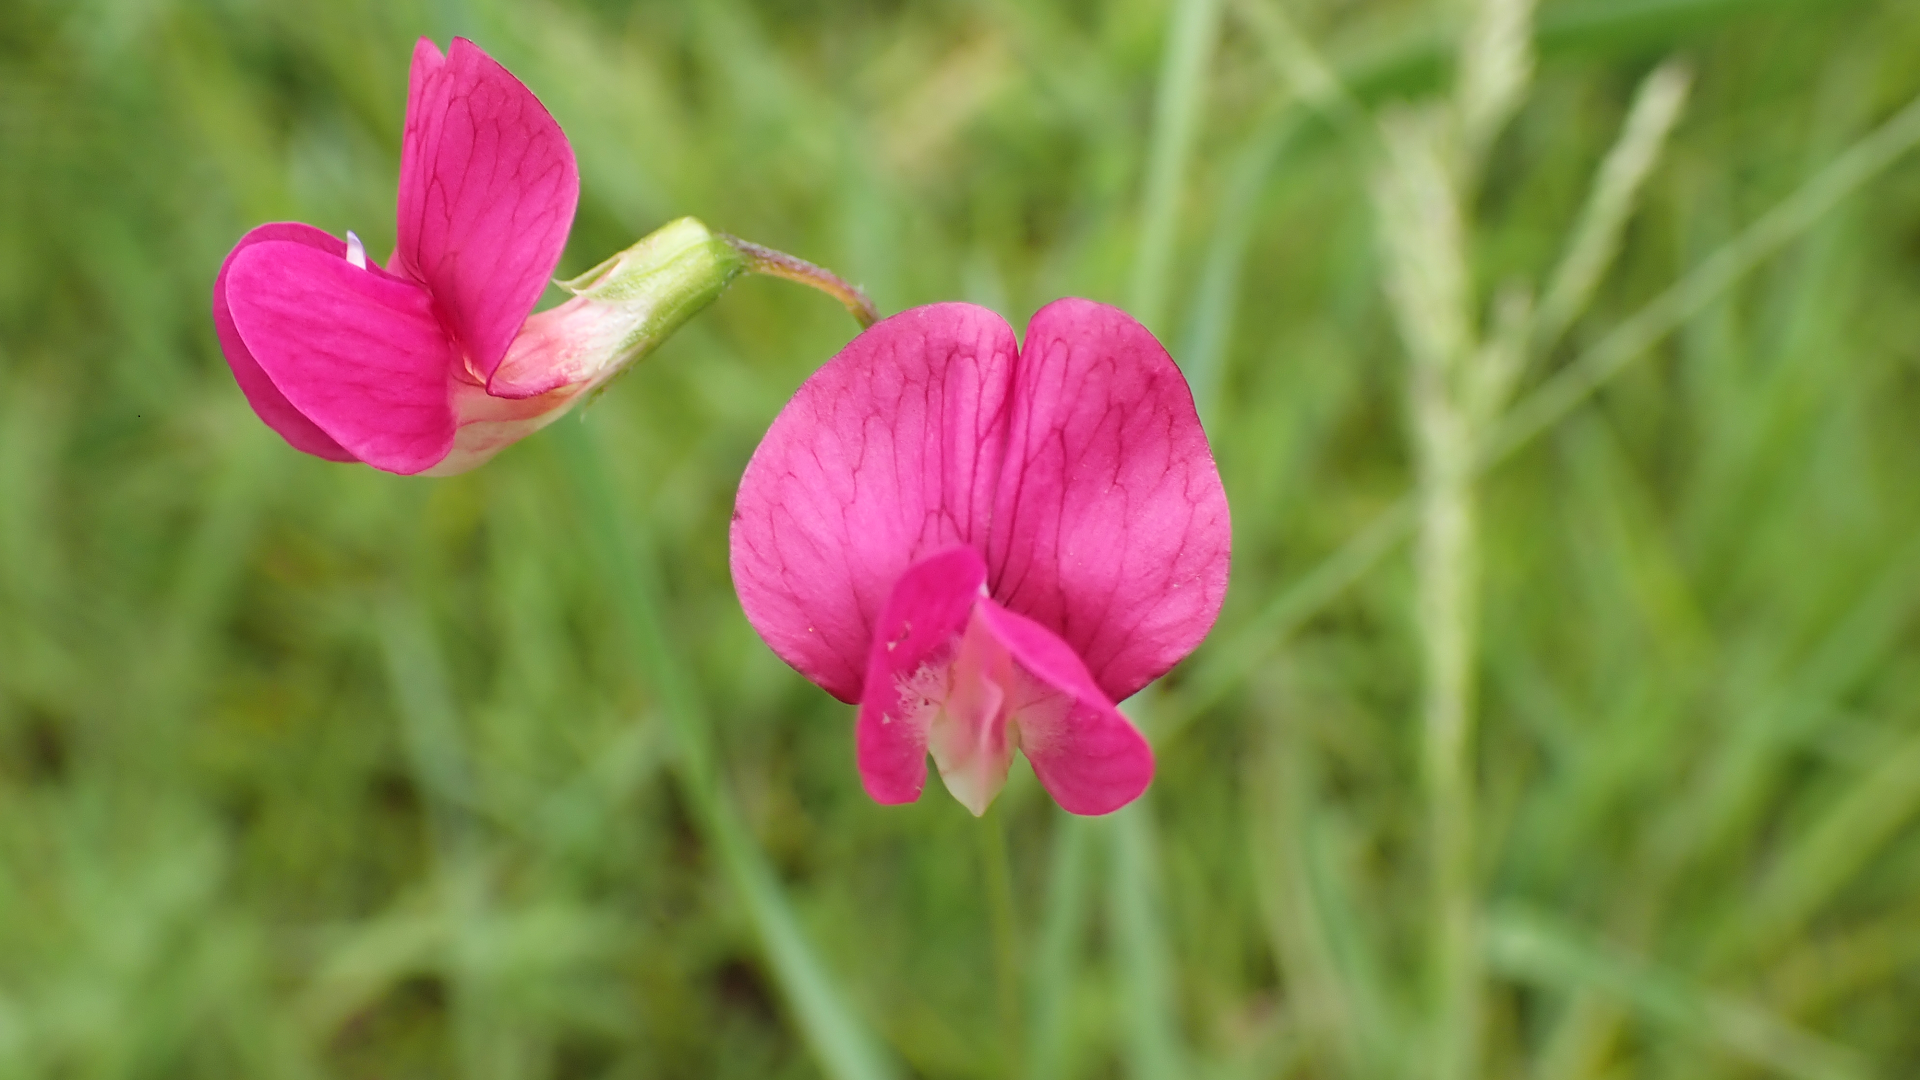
(1151, 1042)
(1707, 282)
(1191, 39)
(1062, 933)
(1534, 949)
(1253, 640)
(840, 1040)
(1202, 352)
(1834, 849)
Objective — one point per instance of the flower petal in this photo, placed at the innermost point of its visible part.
(889, 452)
(1110, 525)
(488, 187)
(267, 400)
(485, 424)
(357, 351)
(912, 642)
(1088, 756)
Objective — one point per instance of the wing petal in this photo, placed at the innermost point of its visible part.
(912, 643)
(356, 351)
(267, 400)
(1088, 756)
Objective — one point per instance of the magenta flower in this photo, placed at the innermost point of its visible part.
(987, 547)
(429, 364)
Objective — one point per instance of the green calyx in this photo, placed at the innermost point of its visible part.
(661, 281)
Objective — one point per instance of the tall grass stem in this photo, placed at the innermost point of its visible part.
(1423, 236)
(1231, 658)
(1603, 221)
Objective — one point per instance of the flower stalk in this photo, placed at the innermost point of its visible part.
(1451, 393)
(1004, 924)
(767, 261)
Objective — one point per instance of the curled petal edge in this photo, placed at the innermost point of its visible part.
(268, 402)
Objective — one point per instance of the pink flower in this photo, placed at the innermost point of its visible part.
(987, 547)
(431, 364)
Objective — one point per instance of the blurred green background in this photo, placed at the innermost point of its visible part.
(311, 771)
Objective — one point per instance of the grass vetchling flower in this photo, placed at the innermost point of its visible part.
(987, 546)
(432, 363)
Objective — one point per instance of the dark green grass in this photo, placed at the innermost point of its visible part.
(306, 770)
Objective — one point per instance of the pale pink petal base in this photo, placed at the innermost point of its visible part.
(973, 736)
(558, 358)
(486, 425)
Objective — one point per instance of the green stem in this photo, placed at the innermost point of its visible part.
(841, 1043)
(1062, 927)
(1425, 230)
(1151, 1042)
(1447, 579)
(1006, 942)
(1191, 37)
(767, 261)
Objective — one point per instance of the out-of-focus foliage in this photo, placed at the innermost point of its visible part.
(309, 771)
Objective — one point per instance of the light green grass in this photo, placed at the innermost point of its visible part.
(308, 771)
